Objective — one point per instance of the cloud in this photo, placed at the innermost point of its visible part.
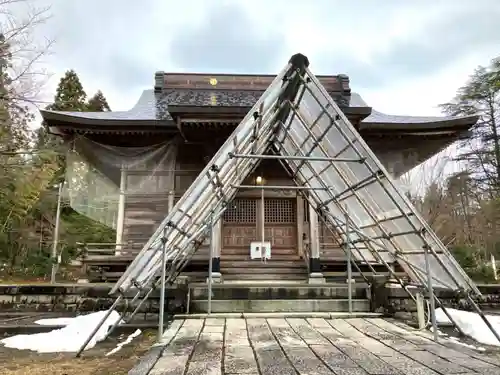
(117, 45)
(440, 38)
(227, 40)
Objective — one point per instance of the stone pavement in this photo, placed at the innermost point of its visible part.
(359, 346)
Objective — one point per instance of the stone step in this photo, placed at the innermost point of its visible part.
(264, 276)
(271, 263)
(278, 292)
(281, 315)
(263, 270)
(246, 251)
(246, 257)
(276, 306)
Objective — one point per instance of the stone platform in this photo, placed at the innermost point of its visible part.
(357, 346)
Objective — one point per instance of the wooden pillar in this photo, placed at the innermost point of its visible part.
(300, 225)
(171, 201)
(217, 238)
(315, 275)
(121, 212)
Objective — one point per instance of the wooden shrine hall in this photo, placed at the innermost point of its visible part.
(198, 112)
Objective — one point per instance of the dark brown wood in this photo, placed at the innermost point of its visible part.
(240, 81)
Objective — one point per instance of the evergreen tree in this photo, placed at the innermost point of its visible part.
(98, 103)
(70, 95)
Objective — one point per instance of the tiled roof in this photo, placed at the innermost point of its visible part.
(153, 108)
(378, 119)
(203, 98)
(149, 107)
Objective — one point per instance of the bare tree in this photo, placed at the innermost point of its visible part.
(19, 22)
(21, 74)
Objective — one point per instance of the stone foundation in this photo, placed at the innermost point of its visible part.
(82, 298)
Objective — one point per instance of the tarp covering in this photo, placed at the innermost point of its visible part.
(98, 174)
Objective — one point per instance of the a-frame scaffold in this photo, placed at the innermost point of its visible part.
(298, 123)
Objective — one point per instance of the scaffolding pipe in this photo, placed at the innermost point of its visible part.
(55, 257)
(162, 290)
(98, 326)
(308, 158)
(210, 264)
(349, 260)
(430, 290)
(276, 187)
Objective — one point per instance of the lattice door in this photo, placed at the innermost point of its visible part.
(240, 223)
(241, 211)
(280, 220)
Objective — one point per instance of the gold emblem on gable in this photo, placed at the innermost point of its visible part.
(213, 81)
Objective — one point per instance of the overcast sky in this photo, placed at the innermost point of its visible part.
(404, 57)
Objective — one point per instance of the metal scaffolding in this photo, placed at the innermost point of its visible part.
(298, 123)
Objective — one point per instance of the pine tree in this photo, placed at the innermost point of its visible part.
(70, 95)
(98, 103)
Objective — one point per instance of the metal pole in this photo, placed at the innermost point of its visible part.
(55, 243)
(210, 263)
(162, 290)
(99, 325)
(262, 228)
(292, 157)
(278, 187)
(431, 294)
(483, 317)
(349, 260)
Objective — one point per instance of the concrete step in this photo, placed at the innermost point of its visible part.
(278, 292)
(276, 306)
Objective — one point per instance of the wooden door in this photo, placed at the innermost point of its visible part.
(239, 224)
(280, 218)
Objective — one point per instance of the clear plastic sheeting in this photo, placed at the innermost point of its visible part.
(100, 178)
(183, 230)
(343, 179)
(384, 226)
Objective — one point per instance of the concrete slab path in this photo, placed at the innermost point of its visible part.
(314, 346)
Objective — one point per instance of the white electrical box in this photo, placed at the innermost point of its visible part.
(260, 250)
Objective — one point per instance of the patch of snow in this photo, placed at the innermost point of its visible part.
(67, 339)
(54, 321)
(123, 343)
(472, 325)
(440, 333)
(457, 341)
